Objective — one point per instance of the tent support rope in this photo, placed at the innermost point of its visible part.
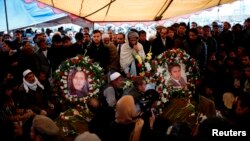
(108, 8)
(52, 1)
(100, 8)
(80, 12)
(160, 16)
(6, 16)
(161, 8)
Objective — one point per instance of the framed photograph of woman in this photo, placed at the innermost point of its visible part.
(78, 83)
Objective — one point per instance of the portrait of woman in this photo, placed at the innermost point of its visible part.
(176, 79)
(78, 83)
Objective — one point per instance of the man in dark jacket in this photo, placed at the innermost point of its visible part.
(98, 51)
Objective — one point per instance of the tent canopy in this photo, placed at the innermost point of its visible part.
(132, 10)
(65, 20)
(22, 14)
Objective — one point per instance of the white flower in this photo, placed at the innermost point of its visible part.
(65, 91)
(68, 64)
(76, 57)
(86, 59)
(96, 91)
(160, 69)
(57, 71)
(160, 110)
(89, 79)
(66, 117)
(158, 103)
(64, 77)
(78, 68)
(159, 56)
(90, 88)
(70, 99)
(61, 87)
(65, 85)
(164, 100)
(148, 67)
(65, 81)
(164, 91)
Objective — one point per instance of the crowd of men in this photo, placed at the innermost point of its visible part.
(26, 69)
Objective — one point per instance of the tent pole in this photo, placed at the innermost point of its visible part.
(6, 16)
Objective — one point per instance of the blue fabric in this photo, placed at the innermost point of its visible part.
(21, 14)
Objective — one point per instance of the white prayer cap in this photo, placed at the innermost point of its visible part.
(105, 35)
(26, 72)
(114, 76)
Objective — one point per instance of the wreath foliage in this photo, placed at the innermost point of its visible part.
(155, 72)
(80, 63)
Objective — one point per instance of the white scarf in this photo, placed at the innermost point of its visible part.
(127, 58)
(32, 86)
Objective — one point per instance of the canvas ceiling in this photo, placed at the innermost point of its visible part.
(132, 10)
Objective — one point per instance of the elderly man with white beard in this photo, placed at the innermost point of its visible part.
(32, 94)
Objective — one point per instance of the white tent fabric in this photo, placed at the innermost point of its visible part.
(132, 10)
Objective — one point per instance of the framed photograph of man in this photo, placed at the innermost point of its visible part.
(177, 75)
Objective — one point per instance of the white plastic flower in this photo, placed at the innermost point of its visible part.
(164, 100)
(159, 56)
(160, 69)
(89, 79)
(96, 91)
(164, 91)
(90, 88)
(148, 66)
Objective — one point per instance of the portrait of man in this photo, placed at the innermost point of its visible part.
(177, 78)
(78, 83)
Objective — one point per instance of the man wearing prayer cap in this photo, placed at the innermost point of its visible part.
(86, 136)
(114, 91)
(43, 129)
